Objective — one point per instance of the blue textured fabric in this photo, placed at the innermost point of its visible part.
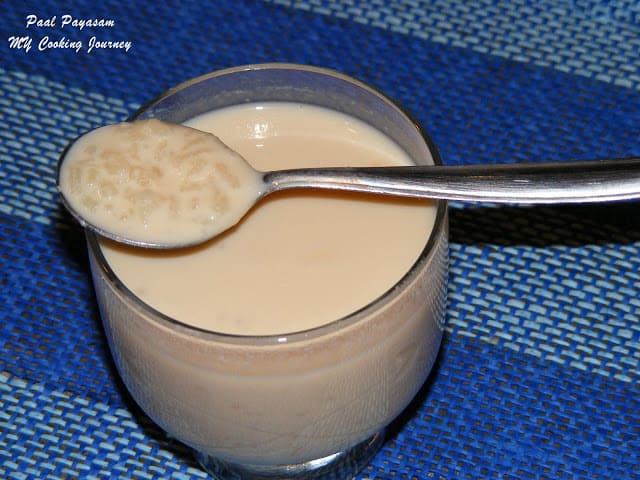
(539, 373)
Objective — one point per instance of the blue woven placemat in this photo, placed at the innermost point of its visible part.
(539, 373)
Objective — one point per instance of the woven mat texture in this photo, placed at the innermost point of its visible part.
(539, 373)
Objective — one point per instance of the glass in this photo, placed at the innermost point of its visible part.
(248, 406)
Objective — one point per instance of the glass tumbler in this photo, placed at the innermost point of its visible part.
(310, 404)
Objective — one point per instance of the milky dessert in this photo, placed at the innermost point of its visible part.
(155, 182)
(302, 330)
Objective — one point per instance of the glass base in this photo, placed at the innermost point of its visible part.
(339, 466)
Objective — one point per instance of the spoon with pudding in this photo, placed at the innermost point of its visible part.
(154, 184)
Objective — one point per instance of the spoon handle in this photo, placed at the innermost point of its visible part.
(534, 183)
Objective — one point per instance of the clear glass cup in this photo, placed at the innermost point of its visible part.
(247, 405)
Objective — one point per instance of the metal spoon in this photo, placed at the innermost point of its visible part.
(530, 183)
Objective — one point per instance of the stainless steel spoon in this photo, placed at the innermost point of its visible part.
(530, 183)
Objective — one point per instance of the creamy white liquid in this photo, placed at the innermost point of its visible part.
(297, 260)
(300, 259)
(154, 182)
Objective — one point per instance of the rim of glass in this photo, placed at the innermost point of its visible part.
(300, 335)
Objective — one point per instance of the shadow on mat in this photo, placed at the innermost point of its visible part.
(540, 226)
